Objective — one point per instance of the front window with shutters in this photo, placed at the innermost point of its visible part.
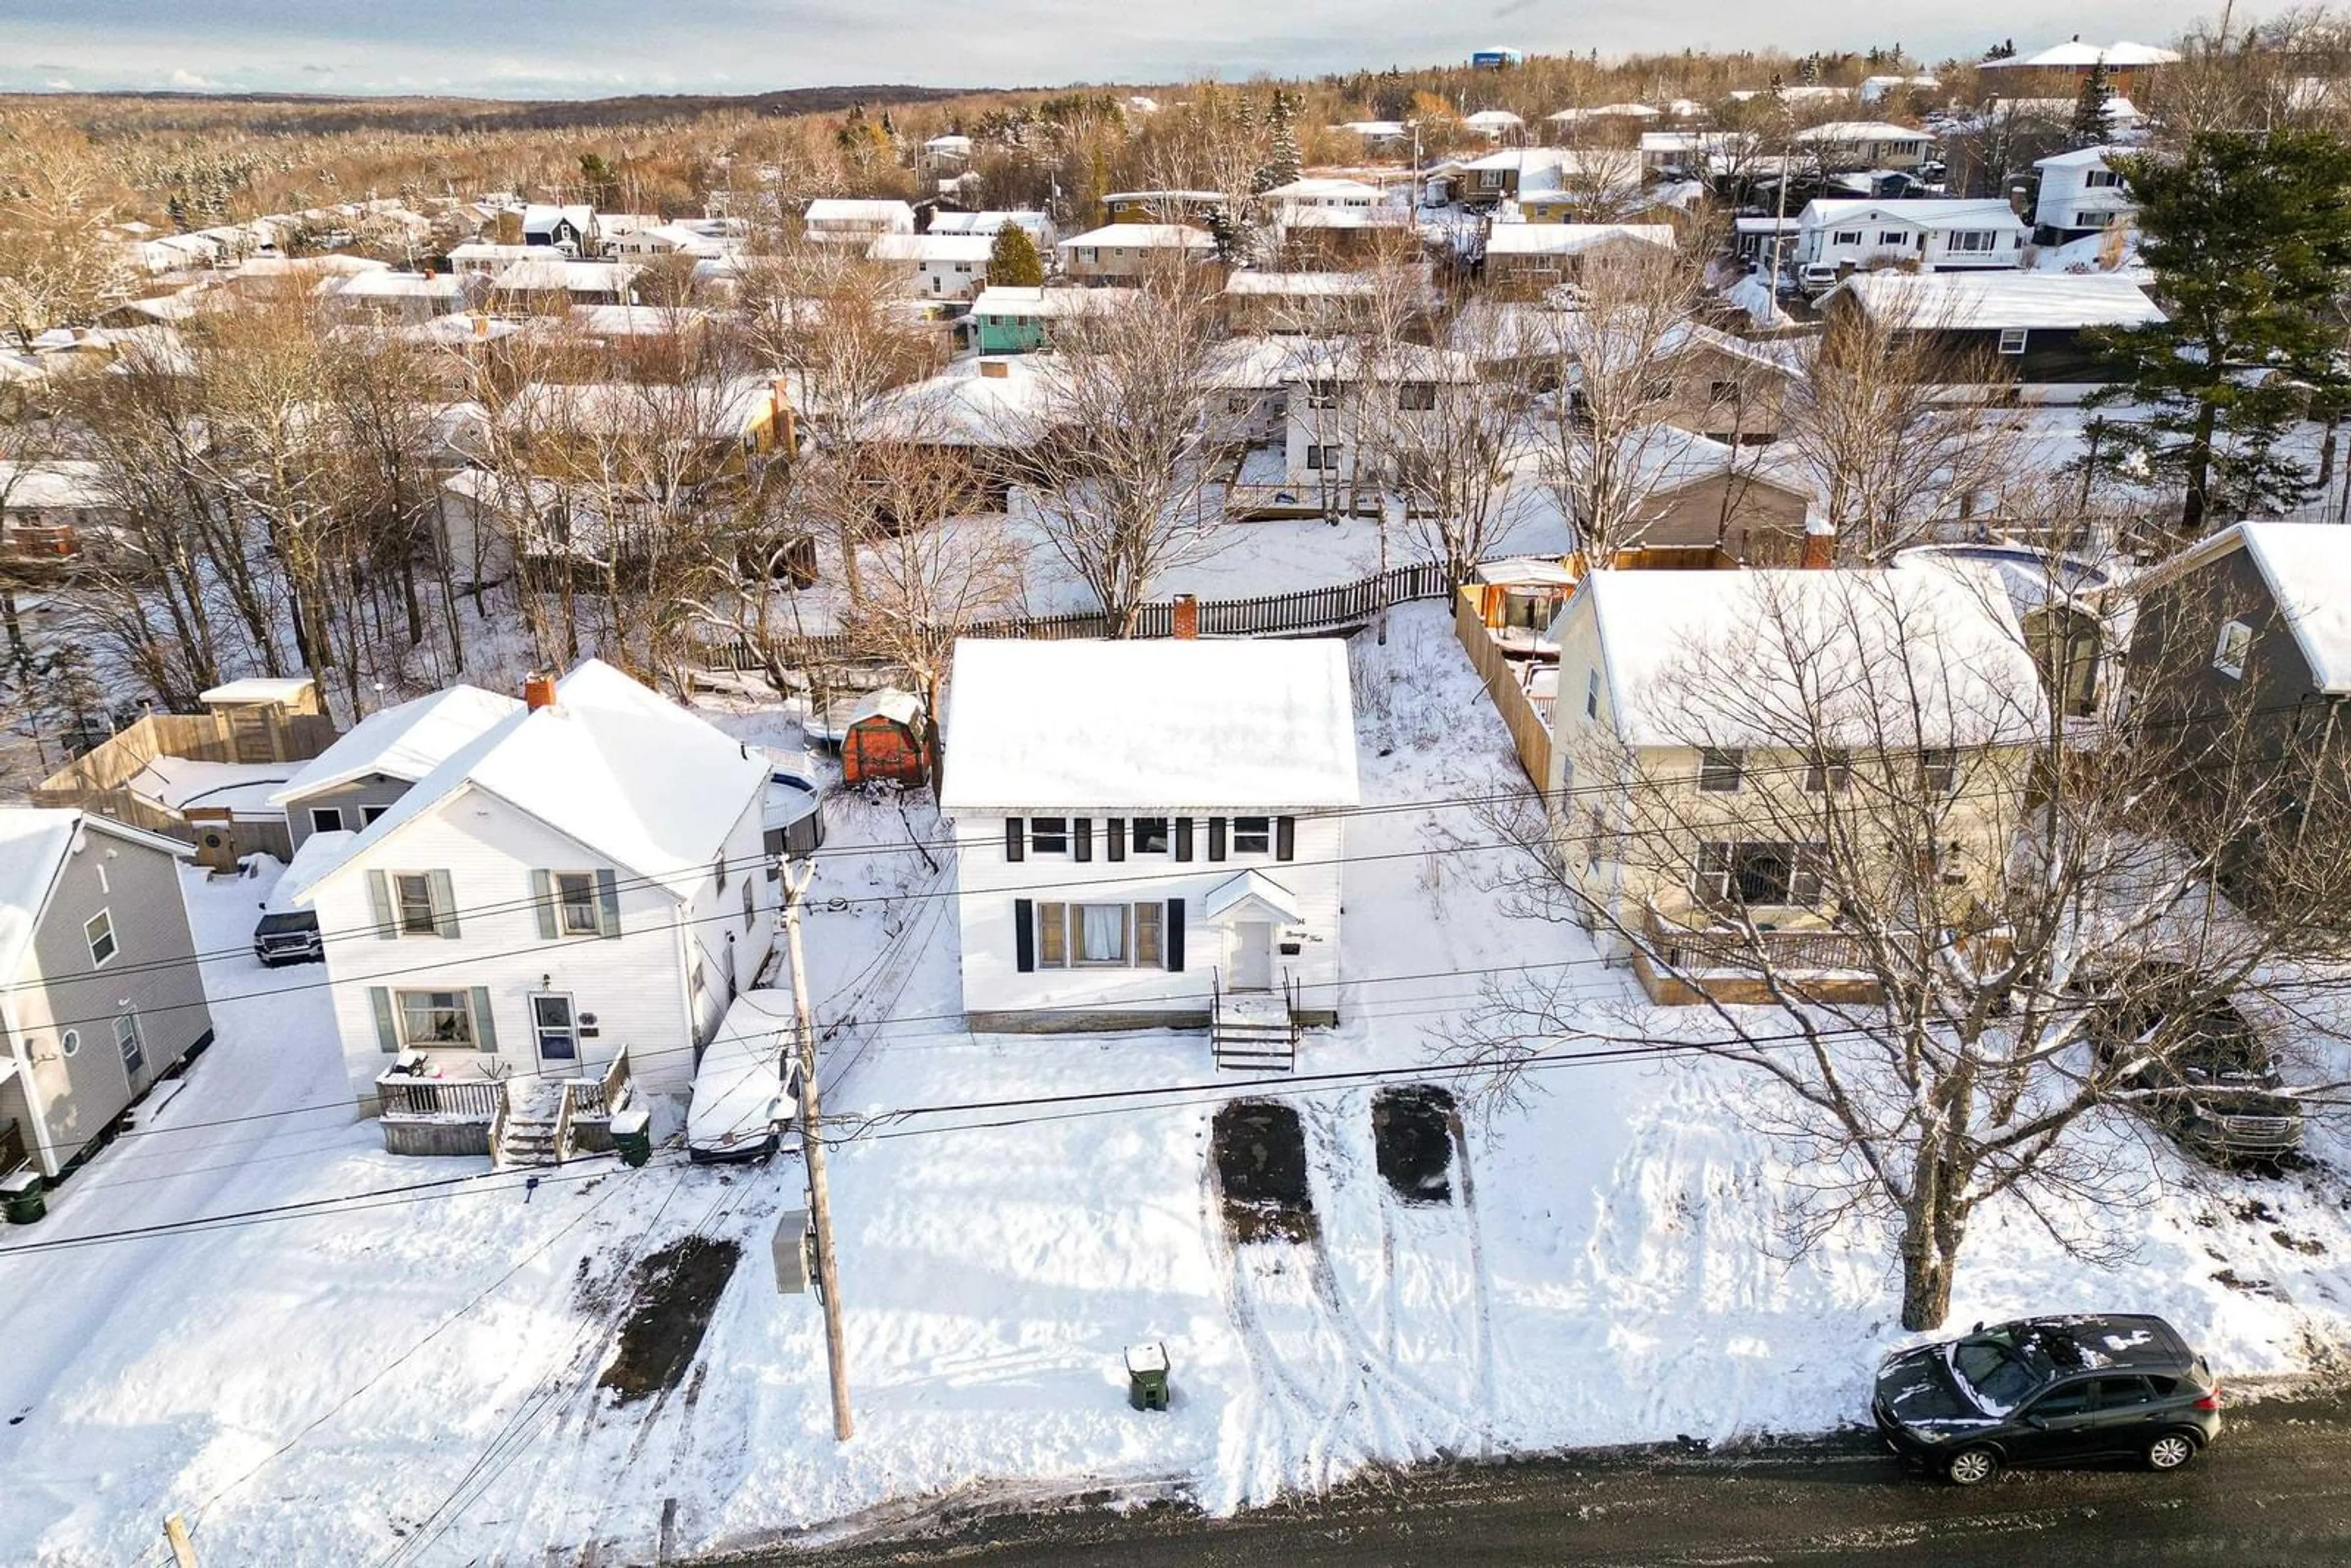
(575, 903)
(1150, 835)
(1252, 835)
(436, 1019)
(412, 892)
(1101, 936)
(1049, 835)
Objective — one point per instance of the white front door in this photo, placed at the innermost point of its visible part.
(1253, 956)
(557, 1030)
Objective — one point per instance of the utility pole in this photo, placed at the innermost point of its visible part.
(828, 1273)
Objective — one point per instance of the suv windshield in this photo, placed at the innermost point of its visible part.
(2000, 1377)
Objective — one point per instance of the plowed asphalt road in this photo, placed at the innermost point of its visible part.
(2275, 1490)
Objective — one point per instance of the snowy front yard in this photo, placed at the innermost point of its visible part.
(413, 1377)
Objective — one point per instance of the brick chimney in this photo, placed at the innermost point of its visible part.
(1820, 542)
(537, 690)
(1184, 617)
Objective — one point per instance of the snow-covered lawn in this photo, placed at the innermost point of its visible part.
(412, 1377)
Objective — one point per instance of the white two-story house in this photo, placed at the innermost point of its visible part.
(1838, 235)
(1149, 835)
(2080, 195)
(560, 909)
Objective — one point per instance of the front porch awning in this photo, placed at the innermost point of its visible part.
(1251, 895)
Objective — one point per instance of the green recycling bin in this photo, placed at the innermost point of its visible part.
(633, 1137)
(24, 1198)
(1146, 1375)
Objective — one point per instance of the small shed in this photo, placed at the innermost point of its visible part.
(886, 740)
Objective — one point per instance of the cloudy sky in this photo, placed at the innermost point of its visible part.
(577, 48)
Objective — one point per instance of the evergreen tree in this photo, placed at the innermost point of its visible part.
(1013, 262)
(1283, 163)
(2090, 107)
(2249, 237)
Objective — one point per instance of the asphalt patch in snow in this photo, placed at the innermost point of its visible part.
(1412, 1141)
(677, 1289)
(1259, 1149)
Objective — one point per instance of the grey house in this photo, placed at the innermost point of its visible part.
(355, 780)
(102, 994)
(2251, 628)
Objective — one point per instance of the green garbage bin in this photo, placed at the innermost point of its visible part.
(24, 1197)
(1147, 1376)
(633, 1137)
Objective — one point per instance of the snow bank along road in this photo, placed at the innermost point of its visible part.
(2274, 1490)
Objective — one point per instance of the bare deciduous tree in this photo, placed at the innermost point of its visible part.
(1117, 443)
(1971, 921)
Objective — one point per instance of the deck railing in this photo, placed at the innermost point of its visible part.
(441, 1098)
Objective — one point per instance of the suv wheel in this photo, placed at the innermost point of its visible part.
(1971, 1466)
(2171, 1451)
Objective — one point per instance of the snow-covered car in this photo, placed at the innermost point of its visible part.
(2217, 1089)
(2044, 1391)
(746, 1088)
(288, 936)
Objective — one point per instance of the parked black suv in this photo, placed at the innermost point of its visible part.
(2046, 1390)
(2217, 1090)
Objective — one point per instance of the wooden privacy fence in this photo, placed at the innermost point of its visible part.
(1274, 615)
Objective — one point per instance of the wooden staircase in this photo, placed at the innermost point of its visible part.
(532, 1132)
(1253, 1031)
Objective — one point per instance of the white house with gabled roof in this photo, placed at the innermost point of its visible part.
(2081, 194)
(1835, 236)
(1149, 834)
(560, 909)
(366, 771)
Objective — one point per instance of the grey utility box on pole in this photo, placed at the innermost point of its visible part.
(791, 1249)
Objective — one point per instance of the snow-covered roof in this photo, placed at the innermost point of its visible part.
(404, 742)
(1319, 190)
(401, 286)
(488, 250)
(540, 275)
(1983, 302)
(258, 689)
(1492, 120)
(1142, 236)
(1175, 724)
(1605, 112)
(69, 484)
(1920, 656)
(930, 247)
(33, 843)
(851, 210)
(1010, 299)
(1838, 131)
(1288, 285)
(1934, 214)
(1571, 239)
(2077, 55)
(2307, 566)
(2079, 158)
(613, 766)
(974, 403)
(1377, 130)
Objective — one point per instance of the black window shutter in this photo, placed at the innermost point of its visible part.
(1285, 838)
(1114, 837)
(1016, 847)
(1216, 838)
(1024, 935)
(1183, 838)
(1175, 936)
(1085, 839)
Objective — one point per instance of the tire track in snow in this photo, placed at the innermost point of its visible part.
(1481, 1284)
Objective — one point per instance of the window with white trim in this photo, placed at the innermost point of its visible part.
(1719, 770)
(1416, 396)
(412, 900)
(2011, 340)
(2229, 654)
(1252, 835)
(1971, 241)
(1845, 236)
(1049, 835)
(1149, 835)
(1322, 459)
(127, 1041)
(326, 819)
(99, 932)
